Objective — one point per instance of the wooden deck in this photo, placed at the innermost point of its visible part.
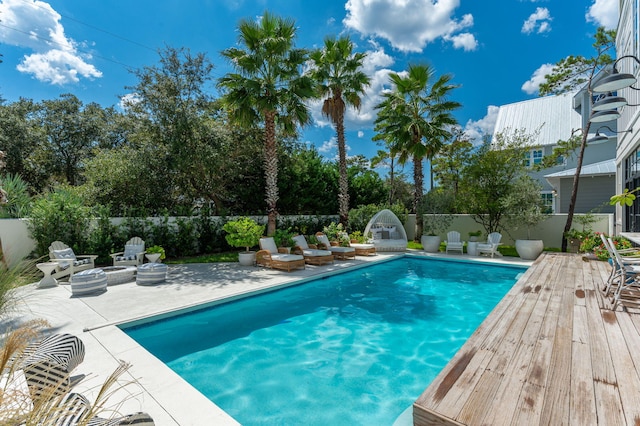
(551, 353)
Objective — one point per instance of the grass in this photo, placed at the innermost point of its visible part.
(206, 258)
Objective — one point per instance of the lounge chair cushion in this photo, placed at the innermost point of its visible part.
(301, 241)
(65, 254)
(286, 257)
(269, 245)
(132, 250)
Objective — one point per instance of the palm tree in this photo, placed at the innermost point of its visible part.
(336, 70)
(268, 87)
(416, 117)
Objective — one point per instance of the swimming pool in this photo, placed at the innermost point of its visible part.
(354, 348)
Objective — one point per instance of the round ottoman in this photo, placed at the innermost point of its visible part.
(90, 281)
(151, 273)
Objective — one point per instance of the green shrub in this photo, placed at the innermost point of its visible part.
(60, 215)
(101, 237)
(186, 237)
(243, 232)
(18, 198)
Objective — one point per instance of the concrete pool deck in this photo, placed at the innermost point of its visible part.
(157, 390)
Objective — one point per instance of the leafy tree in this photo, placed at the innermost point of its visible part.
(72, 130)
(415, 117)
(449, 163)
(568, 74)
(267, 87)
(337, 71)
(491, 175)
(365, 185)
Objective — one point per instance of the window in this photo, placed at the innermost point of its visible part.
(548, 201)
(533, 157)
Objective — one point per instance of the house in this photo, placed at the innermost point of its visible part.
(554, 118)
(628, 149)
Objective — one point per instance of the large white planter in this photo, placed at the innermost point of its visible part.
(247, 258)
(430, 243)
(529, 249)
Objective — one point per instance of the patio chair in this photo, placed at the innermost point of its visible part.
(68, 262)
(618, 269)
(270, 256)
(75, 409)
(48, 363)
(312, 255)
(133, 254)
(453, 242)
(492, 244)
(627, 286)
(341, 253)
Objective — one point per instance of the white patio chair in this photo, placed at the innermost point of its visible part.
(453, 242)
(492, 244)
(133, 254)
(68, 262)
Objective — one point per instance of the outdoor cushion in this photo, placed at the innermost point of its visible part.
(269, 245)
(65, 254)
(151, 273)
(90, 281)
(132, 250)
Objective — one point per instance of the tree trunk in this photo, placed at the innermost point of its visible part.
(574, 190)
(343, 192)
(418, 177)
(270, 170)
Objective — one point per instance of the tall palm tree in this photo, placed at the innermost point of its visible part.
(416, 117)
(268, 87)
(337, 71)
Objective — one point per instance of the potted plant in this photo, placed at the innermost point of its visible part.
(435, 220)
(244, 232)
(524, 207)
(284, 239)
(155, 254)
(474, 235)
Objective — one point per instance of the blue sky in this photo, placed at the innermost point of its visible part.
(496, 50)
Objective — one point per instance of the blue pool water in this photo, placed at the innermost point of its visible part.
(351, 349)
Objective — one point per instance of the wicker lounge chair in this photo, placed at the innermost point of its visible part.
(272, 257)
(312, 255)
(341, 253)
(387, 231)
(453, 242)
(68, 262)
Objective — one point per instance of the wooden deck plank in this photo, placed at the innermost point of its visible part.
(551, 353)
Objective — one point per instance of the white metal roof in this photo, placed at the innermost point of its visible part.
(607, 167)
(554, 116)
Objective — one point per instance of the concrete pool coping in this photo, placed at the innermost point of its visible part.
(95, 318)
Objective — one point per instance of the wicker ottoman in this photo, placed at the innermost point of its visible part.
(91, 281)
(151, 273)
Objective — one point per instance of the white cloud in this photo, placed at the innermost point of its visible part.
(475, 130)
(604, 13)
(409, 25)
(532, 85)
(328, 146)
(360, 134)
(129, 100)
(36, 26)
(539, 21)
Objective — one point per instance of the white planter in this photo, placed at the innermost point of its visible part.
(529, 249)
(430, 243)
(153, 257)
(247, 258)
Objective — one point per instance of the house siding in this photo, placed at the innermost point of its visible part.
(591, 192)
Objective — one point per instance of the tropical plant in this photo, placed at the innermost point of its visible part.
(17, 196)
(243, 232)
(337, 71)
(267, 88)
(415, 118)
(592, 243)
(157, 250)
(284, 238)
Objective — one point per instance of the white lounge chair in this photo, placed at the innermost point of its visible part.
(311, 254)
(453, 242)
(272, 257)
(133, 254)
(68, 262)
(341, 253)
(492, 244)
